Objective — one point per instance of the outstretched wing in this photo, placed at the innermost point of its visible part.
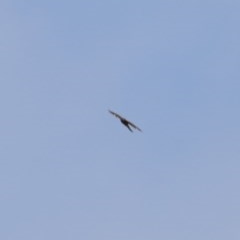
(115, 114)
(134, 126)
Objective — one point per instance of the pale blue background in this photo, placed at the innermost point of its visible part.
(70, 170)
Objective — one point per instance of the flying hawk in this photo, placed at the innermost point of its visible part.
(125, 122)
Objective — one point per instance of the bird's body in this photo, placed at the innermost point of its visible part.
(125, 122)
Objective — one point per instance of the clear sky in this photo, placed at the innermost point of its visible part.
(70, 170)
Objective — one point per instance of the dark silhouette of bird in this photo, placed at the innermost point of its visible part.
(125, 122)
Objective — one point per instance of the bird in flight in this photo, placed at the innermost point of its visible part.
(125, 122)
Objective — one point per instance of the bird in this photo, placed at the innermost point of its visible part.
(125, 122)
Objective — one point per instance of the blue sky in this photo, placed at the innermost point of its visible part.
(70, 170)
